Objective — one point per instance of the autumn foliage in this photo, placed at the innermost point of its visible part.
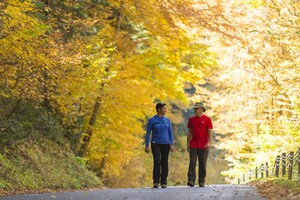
(98, 67)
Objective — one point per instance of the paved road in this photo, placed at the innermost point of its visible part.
(211, 192)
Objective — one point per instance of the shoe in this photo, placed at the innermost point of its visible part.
(190, 184)
(201, 184)
(155, 185)
(163, 186)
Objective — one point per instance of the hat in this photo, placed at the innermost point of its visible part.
(200, 105)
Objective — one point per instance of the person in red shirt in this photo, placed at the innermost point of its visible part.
(198, 143)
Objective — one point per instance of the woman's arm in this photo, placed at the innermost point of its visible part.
(147, 137)
(171, 136)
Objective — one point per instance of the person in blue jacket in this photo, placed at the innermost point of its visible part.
(162, 141)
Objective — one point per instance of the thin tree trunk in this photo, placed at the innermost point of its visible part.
(86, 137)
(88, 134)
(12, 110)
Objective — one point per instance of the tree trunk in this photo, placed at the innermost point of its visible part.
(88, 134)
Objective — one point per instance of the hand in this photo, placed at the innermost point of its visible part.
(207, 146)
(188, 148)
(147, 150)
(172, 148)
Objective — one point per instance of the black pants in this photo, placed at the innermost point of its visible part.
(160, 154)
(201, 155)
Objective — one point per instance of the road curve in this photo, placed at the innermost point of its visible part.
(211, 192)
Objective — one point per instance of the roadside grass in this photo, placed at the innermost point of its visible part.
(37, 154)
(278, 188)
(282, 182)
(38, 164)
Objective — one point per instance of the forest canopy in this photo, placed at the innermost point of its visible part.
(94, 70)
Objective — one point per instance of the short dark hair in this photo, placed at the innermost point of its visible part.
(159, 106)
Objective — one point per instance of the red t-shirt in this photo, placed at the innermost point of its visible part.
(199, 127)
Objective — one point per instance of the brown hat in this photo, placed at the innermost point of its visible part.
(200, 105)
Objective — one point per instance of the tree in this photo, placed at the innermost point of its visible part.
(258, 107)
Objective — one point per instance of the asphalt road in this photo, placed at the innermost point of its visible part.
(211, 192)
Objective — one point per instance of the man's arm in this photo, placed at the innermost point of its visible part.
(188, 139)
(209, 138)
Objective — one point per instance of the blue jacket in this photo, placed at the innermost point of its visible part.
(161, 131)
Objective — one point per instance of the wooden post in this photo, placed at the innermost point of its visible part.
(299, 164)
(262, 170)
(267, 169)
(244, 178)
(256, 172)
(250, 175)
(291, 163)
(239, 182)
(283, 164)
(277, 161)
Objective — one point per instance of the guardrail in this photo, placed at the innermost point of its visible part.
(284, 165)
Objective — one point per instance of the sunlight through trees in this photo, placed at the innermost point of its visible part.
(99, 66)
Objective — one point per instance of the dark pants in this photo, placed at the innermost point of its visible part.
(201, 155)
(160, 154)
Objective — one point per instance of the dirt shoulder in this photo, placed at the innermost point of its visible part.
(8, 193)
(273, 191)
